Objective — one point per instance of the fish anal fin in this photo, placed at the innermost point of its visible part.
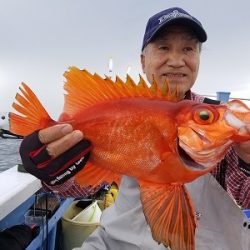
(170, 214)
(94, 175)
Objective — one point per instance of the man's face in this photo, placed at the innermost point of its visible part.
(174, 56)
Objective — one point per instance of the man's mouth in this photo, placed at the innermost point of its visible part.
(174, 75)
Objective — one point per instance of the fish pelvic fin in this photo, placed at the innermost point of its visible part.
(170, 214)
(92, 175)
(84, 89)
(31, 114)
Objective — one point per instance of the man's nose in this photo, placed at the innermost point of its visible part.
(175, 59)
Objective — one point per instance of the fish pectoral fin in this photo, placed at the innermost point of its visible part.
(170, 214)
(94, 175)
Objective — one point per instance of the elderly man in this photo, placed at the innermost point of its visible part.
(171, 50)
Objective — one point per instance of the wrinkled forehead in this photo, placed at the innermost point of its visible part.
(180, 30)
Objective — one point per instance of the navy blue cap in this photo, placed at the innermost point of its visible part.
(171, 16)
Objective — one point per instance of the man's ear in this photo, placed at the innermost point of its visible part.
(143, 62)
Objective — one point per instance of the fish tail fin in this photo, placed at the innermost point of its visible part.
(170, 214)
(93, 175)
(31, 114)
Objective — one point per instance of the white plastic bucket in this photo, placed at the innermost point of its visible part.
(78, 224)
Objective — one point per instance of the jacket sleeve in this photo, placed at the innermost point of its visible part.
(71, 189)
(235, 181)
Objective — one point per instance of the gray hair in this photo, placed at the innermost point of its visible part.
(144, 50)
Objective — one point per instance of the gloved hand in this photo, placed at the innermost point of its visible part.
(53, 169)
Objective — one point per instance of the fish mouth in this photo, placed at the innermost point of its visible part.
(187, 160)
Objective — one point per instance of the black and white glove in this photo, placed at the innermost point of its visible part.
(53, 171)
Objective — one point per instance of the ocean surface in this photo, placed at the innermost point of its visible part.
(9, 153)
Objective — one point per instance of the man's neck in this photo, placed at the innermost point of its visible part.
(188, 95)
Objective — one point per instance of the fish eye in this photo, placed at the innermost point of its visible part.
(204, 116)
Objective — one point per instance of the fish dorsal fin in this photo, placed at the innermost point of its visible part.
(84, 90)
(169, 213)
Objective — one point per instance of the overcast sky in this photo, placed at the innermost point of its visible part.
(39, 40)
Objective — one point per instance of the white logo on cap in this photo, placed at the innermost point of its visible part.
(173, 15)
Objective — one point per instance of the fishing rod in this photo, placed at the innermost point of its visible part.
(6, 134)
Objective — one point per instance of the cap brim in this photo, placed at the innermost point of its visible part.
(198, 30)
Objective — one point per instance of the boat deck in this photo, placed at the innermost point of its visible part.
(15, 188)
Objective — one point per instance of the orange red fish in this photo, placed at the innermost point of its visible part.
(147, 133)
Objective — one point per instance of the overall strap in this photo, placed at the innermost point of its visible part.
(210, 101)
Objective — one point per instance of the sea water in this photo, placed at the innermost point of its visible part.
(9, 153)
